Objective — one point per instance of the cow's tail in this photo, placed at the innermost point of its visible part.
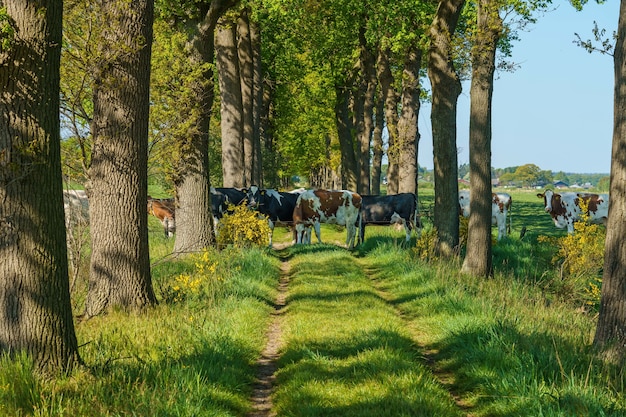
(417, 221)
(510, 216)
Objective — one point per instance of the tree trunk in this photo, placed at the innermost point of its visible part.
(385, 77)
(369, 82)
(120, 262)
(257, 106)
(231, 104)
(408, 135)
(346, 142)
(489, 25)
(446, 88)
(610, 337)
(36, 313)
(377, 144)
(194, 222)
(246, 73)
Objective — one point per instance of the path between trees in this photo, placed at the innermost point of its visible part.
(267, 363)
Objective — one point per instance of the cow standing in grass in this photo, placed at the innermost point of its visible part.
(390, 209)
(565, 208)
(500, 210)
(163, 209)
(314, 207)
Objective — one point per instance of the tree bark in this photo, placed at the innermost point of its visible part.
(610, 337)
(346, 141)
(386, 80)
(194, 222)
(246, 73)
(446, 88)
(408, 134)
(120, 263)
(377, 144)
(489, 26)
(257, 105)
(231, 104)
(36, 313)
(368, 88)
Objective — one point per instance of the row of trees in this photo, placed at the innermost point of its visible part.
(313, 99)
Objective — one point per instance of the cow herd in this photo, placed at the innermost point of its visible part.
(304, 210)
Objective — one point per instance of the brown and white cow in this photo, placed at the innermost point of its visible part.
(500, 210)
(163, 209)
(314, 207)
(565, 207)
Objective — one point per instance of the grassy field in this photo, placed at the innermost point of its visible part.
(372, 332)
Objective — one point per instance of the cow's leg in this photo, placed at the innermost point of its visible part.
(318, 232)
(299, 231)
(271, 223)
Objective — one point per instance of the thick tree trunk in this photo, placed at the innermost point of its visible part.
(386, 80)
(257, 106)
(346, 141)
(478, 257)
(194, 222)
(377, 144)
(610, 336)
(408, 135)
(36, 313)
(246, 73)
(446, 88)
(231, 104)
(120, 262)
(368, 87)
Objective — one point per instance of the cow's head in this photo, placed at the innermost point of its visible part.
(253, 195)
(547, 196)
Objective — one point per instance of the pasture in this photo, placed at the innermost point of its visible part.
(371, 332)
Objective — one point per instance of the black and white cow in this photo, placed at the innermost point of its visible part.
(390, 209)
(221, 198)
(277, 206)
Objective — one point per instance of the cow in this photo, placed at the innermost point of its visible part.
(564, 208)
(500, 210)
(76, 207)
(277, 206)
(390, 209)
(314, 207)
(221, 198)
(163, 209)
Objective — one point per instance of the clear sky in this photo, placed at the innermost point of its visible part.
(556, 110)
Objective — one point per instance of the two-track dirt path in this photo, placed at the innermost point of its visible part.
(266, 365)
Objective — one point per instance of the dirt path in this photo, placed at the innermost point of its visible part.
(266, 365)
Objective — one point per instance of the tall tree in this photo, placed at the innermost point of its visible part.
(36, 313)
(365, 127)
(233, 171)
(446, 88)
(408, 134)
(610, 335)
(488, 31)
(246, 74)
(120, 260)
(390, 97)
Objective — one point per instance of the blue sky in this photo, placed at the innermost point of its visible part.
(556, 110)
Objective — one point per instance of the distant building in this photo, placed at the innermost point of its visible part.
(560, 184)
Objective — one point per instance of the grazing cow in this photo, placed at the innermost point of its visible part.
(390, 209)
(565, 207)
(500, 210)
(76, 206)
(314, 207)
(277, 206)
(163, 209)
(221, 198)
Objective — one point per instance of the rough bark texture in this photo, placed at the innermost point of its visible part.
(366, 125)
(408, 135)
(36, 313)
(194, 222)
(610, 335)
(246, 73)
(346, 142)
(478, 257)
(231, 104)
(120, 263)
(377, 145)
(386, 80)
(446, 88)
(257, 105)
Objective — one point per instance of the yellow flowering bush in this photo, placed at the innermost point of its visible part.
(243, 228)
(426, 246)
(580, 256)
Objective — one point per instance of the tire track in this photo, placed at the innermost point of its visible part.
(266, 365)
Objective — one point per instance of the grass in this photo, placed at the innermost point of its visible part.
(371, 332)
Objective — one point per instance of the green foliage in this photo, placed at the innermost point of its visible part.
(7, 31)
(426, 246)
(242, 228)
